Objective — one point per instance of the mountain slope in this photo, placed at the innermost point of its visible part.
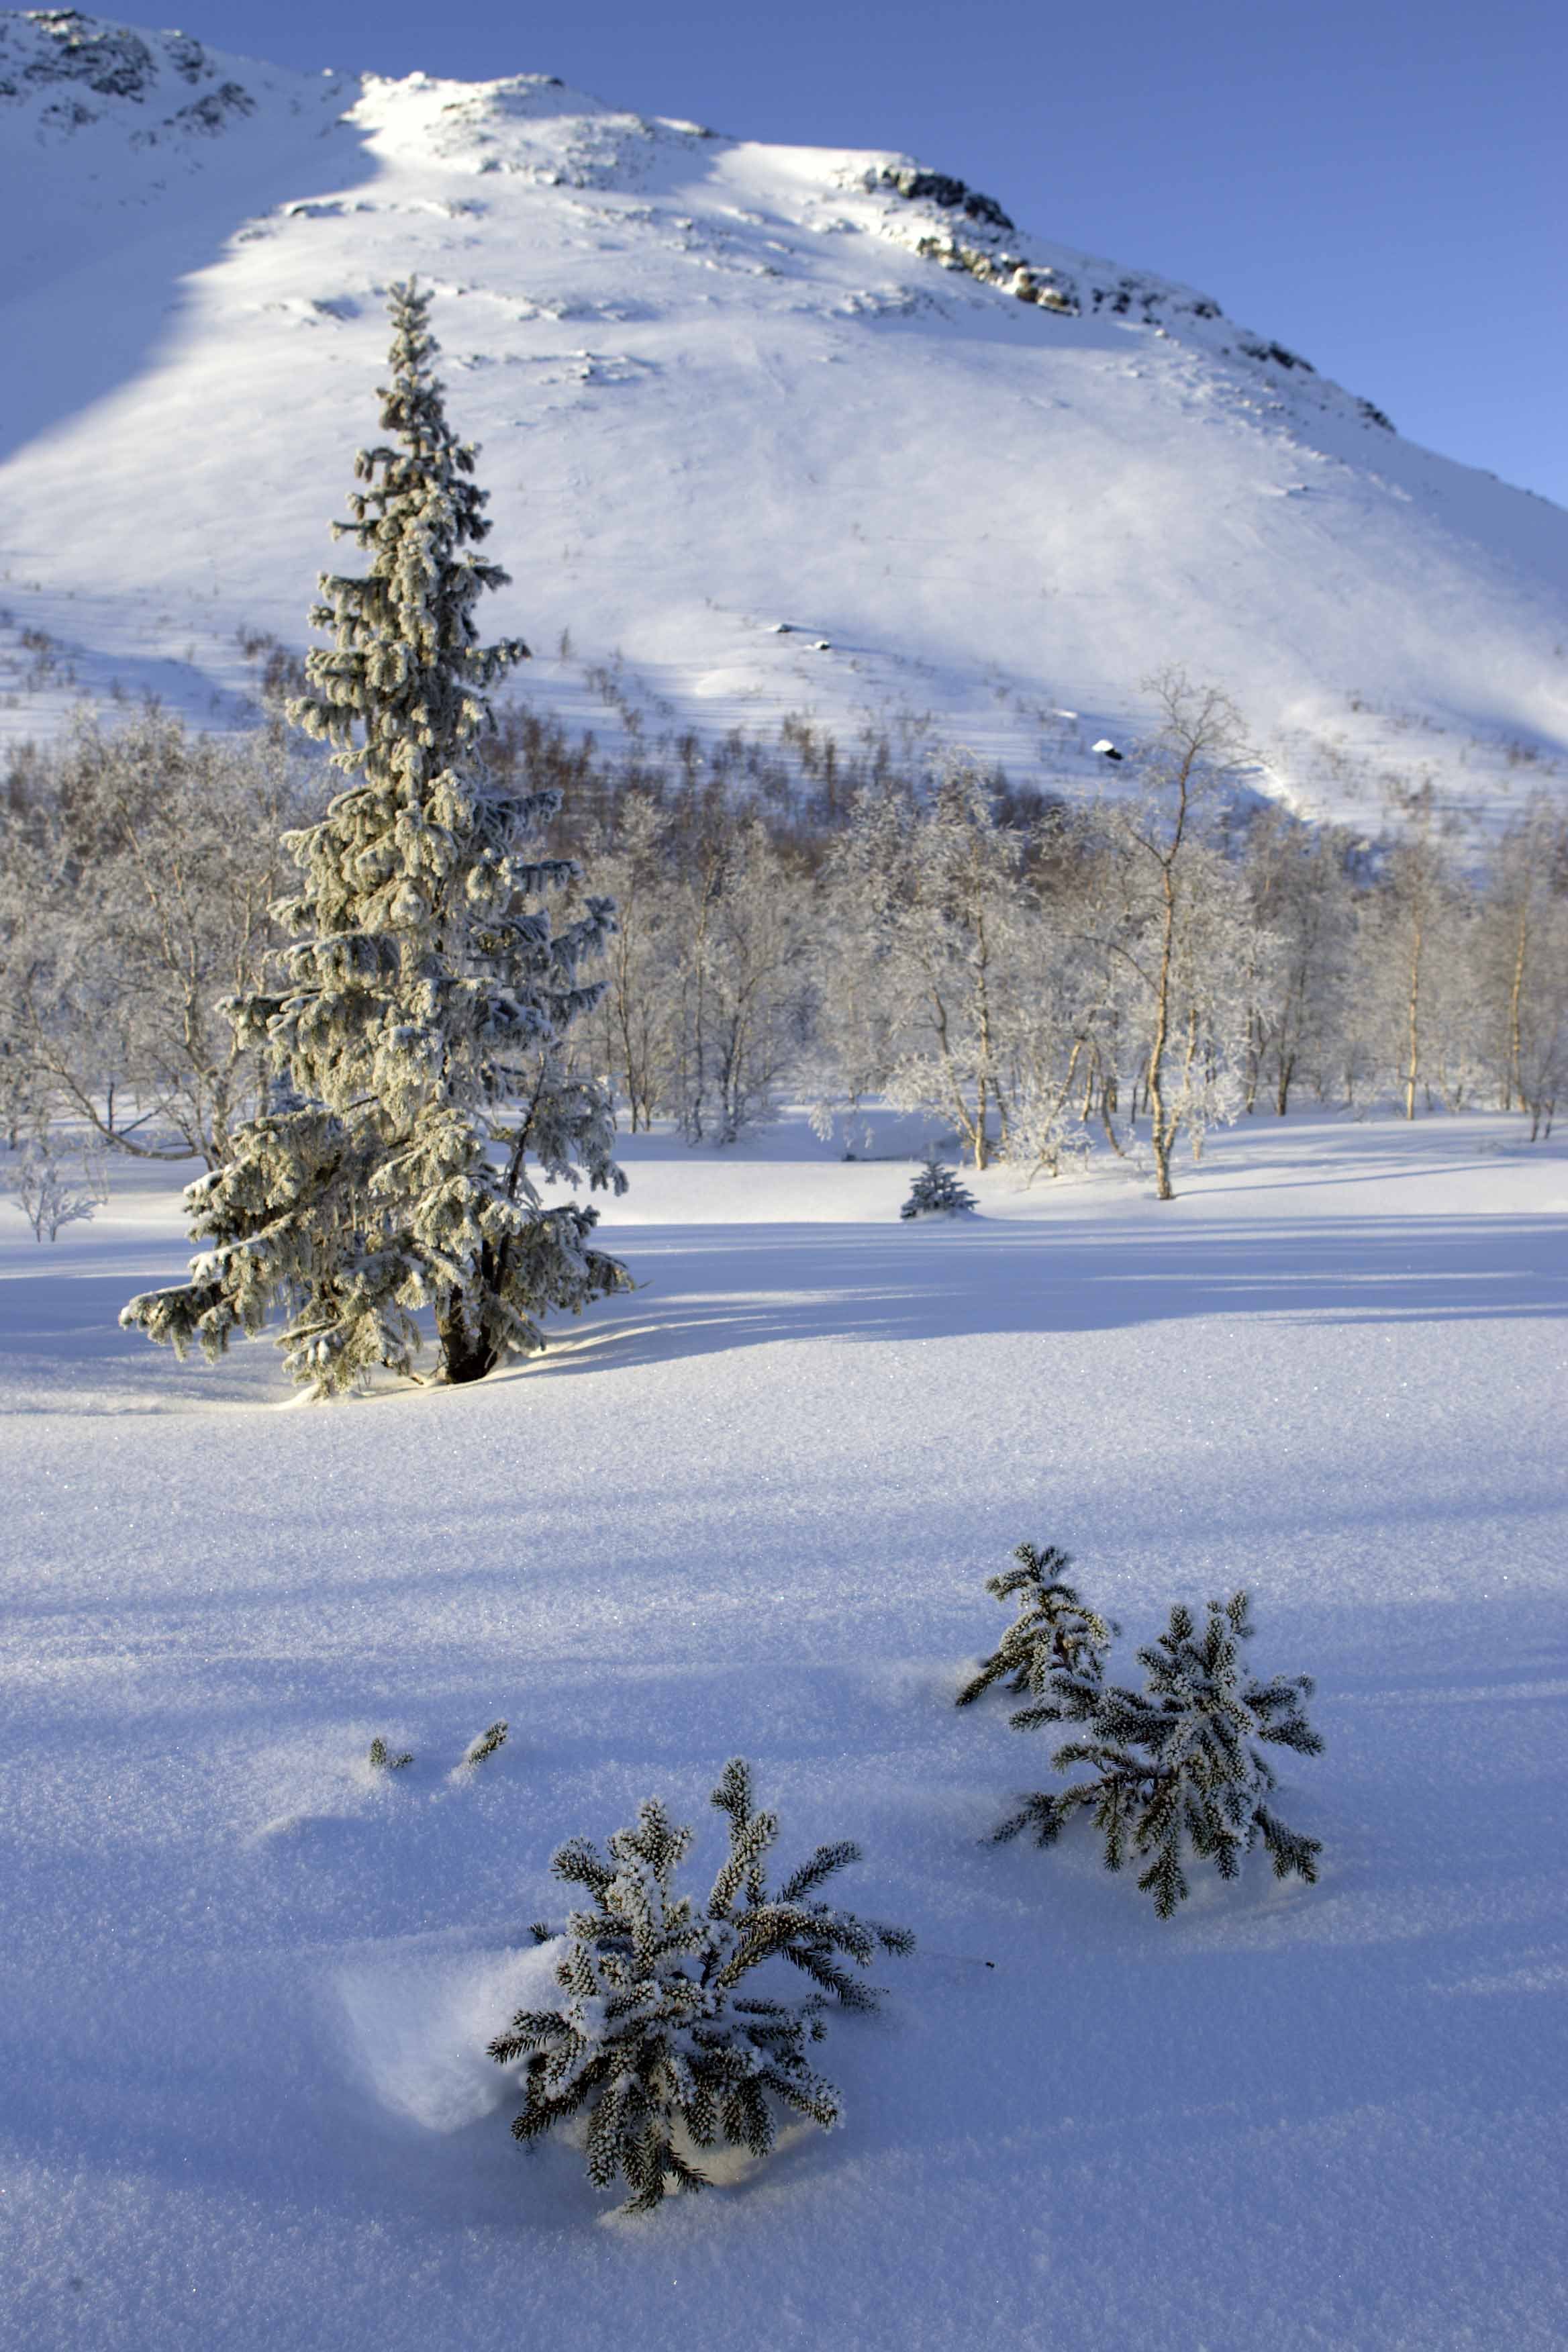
(718, 386)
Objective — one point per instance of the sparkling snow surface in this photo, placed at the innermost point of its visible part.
(717, 388)
(750, 1508)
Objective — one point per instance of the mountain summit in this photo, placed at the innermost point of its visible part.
(768, 430)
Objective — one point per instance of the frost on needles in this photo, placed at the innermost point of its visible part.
(1179, 1764)
(651, 2035)
(1054, 1650)
(417, 1037)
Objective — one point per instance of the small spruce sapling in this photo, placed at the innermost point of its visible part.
(1055, 1647)
(1179, 1763)
(937, 1192)
(650, 2035)
(382, 1761)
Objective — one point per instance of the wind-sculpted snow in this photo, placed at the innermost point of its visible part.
(990, 482)
(533, 126)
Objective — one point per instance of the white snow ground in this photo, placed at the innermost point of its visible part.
(718, 388)
(750, 1508)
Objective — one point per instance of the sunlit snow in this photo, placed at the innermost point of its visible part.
(719, 385)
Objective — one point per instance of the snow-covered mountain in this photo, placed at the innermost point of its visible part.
(768, 430)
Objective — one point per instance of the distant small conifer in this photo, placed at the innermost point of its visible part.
(936, 1193)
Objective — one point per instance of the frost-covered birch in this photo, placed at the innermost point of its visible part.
(1156, 835)
(929, 906)
(1522, 962)
(138, 862)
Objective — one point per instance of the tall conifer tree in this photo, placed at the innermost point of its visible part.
(420, 1085)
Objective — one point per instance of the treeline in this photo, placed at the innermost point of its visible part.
(799, 919)
(1034, 973)
(138, 865)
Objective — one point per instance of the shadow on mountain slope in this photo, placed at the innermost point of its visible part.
(97, 323)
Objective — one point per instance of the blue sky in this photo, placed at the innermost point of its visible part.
(1384, 187)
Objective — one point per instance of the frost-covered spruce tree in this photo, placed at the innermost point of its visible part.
(1179, 1763)
(1054, 1650)
(937, 1192)
(650, 2034)
(417, 1037)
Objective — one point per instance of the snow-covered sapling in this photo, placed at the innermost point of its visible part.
(383, 1761)
(650, 2034)
(937, 1192)
(1178, 1765)
(1055, 1648)
(486, 1744)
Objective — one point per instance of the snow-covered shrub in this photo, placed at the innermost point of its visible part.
(650, 2034)
(1179, 1763)
(936, 1193)
(52, 1193)
(1055, 1648)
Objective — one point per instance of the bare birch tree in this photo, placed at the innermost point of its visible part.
(1181, 779)
(139, 865)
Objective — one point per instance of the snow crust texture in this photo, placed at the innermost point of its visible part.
(249, 1978)
(986, 484)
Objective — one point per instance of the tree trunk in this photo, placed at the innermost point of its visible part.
(1513, 1083)
(1255, 1047)
(1413, 1063)
(1155, 1087)
(465, 1356)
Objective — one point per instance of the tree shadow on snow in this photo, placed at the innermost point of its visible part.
(710, 1290)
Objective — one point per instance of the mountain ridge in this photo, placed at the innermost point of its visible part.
(986, 483)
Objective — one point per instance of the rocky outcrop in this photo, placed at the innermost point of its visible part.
(938, 188)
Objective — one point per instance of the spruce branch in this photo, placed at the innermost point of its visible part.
(486, 1744)
(1055, 1648)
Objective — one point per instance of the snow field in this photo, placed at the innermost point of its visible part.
(750, 1508)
